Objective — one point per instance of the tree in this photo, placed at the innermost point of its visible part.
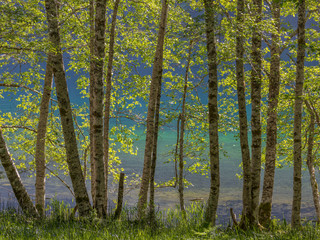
(108, 98)
(297, 158)
(73, 160)
(40, 157)
(154, 152)
(241, 86)
(310, 158)
(271, 144)
(14, 178)
(256, 82)
(156, 74)
(182, 129)
(91, 86)
(210, 214)
(98, 63)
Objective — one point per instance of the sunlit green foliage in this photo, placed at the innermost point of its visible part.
(24, 47)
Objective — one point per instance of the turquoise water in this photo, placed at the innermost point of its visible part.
(231, 185)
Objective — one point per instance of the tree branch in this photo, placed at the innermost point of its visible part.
(19, 126)
(285, 44)
(63, 182)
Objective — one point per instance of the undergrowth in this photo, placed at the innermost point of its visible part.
(169, 224)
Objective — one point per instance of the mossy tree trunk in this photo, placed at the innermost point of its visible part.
(297, 158)
(256, 82)
(243, 125)
(98, 62)
(73, 160)
(118, 211)
(271, 144)
(210, 213)
(91, 71)
(154, 153)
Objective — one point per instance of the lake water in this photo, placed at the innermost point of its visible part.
(230, 190)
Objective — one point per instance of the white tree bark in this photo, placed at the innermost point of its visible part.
(97, 101)
(156, 74)
(73, 160)
(40, 157)
(14, 178)
(108, 97)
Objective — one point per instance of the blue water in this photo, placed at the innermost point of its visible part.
(231, 184)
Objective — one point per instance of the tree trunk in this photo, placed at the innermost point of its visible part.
(154, 153)
(256, 79)
(91, 44)
(176, 152)
(40, 157)
(210, 214)
(156, 74)
(243, 125)
(98, 62)
(310, 162)
(107, 99)
(73, 160)
(271, 145)
(14, 178)
(297, 161)
(182, 127)
(120, 197)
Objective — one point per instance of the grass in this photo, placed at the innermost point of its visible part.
(170, 224)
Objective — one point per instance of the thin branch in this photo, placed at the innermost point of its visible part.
(227, 14)
(76, 122)
(63, 182)
(306, 137)
(72, 13)
(312, 110)
(19, 126)
(85, 161)
(199, 83)
(38, 50)
(316, 151)
(312, 11)
(32, 130)
(20, 49)
(14, 85)
(265, 71)
(269, 4)
(291, 58)
(285, 45)
(266, 41)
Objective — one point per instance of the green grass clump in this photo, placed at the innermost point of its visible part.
(170, 224)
